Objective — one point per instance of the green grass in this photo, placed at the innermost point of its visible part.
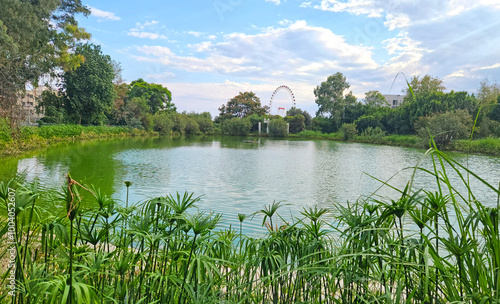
(27, 138)
(406, 250)
(484, 145)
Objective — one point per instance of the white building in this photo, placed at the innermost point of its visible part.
(394, 100)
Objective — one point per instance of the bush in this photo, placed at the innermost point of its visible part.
(206, 125)
(277, 128)
(5, 131)
(368, 121)
(373, 132)
(323, 124)
(297, 123)
(236, 126)
(487, 127)
(192, 127)
(348, 131)
(162, 124)
(444, 127)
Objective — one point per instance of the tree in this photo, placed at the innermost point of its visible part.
(297, 123)
(137, 113)
(421, 86)
(242, 105)
(89, 89)
(488, 93)
(375, 99)
(236, 126)
(348, 131)
(307, 117)
(158, 97)
(36, 38)
(52, 106)
(368, 121)
(444, 127)
(277, 127)
(495, 111)
(330, 97)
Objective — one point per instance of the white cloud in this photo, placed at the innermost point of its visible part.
(148, 35)
(298, 55)
(147, 24)
(393, 22)
(277, 2)
(147, 30)
(103, 14)
(196, 34)
(494, 66)
(297, 50)
(456, 74)
(356, 7)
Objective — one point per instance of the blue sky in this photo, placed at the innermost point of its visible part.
(205, 52)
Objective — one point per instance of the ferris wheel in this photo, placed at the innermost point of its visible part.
(281, 107)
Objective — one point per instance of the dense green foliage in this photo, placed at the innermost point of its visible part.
(59, 131)
(36, 38)
(242, 105)
(88, 90)
(331, 100)
(236, 126)
(444, 127)
(278, 127)
(409, 249)
(157, 97)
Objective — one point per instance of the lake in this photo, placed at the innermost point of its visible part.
(241, 177)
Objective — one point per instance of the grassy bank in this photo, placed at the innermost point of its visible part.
(164, 251)
(29, 138)
(489, 146)
(392, 140)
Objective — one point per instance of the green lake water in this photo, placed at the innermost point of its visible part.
(239, 177)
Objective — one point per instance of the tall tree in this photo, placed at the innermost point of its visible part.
(488, 93)
(294, 111)
(330, 97)
(375, 99)
(242, 105)
(36, 38)
(157, 97)
(89, 91)
(423, 85)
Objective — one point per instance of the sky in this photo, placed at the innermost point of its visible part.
(206, 52)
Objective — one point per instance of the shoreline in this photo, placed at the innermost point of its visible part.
(34, 142)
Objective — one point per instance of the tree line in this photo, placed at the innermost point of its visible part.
(42, 38)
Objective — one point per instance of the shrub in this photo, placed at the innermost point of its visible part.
(297, 123)
(5, 131)
(192, 127)
(444, 127)
(348, 131)
(373, 132)
(236, 126)
(206, 125)
(323, 124)
(162, 124)
(277, 128)
(368, 121)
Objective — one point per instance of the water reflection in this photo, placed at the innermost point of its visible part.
(235, 176)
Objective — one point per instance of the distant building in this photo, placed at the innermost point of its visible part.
(394, 100)
(29, 101)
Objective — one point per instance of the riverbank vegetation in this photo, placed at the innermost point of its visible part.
(426, 111)
(91, 91)
(78, 245)
(28, 138)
